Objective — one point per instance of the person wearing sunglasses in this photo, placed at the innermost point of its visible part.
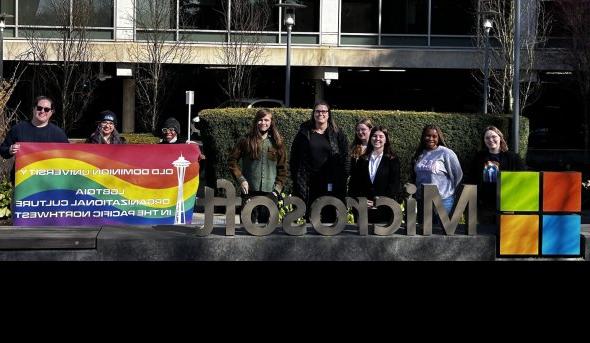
(38, 129)
(106, 130)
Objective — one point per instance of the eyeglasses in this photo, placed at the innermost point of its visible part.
(45, 109)
(321, 111)
(166, 129)
(107, 123)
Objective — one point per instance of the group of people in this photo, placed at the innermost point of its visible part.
(322, 163)
(40, 129)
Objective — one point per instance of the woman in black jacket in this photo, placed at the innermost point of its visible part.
(377, 173)
(319, 163)
(361, 140)
(485, 168)
(106, 131)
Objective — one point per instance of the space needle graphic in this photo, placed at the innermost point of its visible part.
(181, 164)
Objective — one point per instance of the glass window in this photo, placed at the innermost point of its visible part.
(202, 14)
(307, 19)
(7, 6)
(44, 12)
(454, 17)
(96, 13)
(404, 16)
(558, 27)
(254, 15)
(360, 16)
(273, 22)
(156, 14)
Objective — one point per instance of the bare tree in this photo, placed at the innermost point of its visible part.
(575, 15)
(8, 115)
(64, 69)
(245, 20)
(157, 45)
(534, 27)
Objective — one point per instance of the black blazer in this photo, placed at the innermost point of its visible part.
(387, 179)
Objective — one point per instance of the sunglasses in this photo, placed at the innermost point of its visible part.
(166, 129)
(45, 109)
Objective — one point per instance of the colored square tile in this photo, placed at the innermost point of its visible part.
(562, 191)
(519, 234)
(519, 191)
(561, 234)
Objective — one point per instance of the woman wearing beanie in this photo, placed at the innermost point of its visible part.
(106, 131)
(170, 132)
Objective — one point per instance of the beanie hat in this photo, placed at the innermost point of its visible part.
(172, 123)
(107, 115)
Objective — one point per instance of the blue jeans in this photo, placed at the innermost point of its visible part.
(447, 204)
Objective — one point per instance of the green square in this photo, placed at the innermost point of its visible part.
(519, 191)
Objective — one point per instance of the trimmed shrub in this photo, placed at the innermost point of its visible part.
(140, 138)
(221, 128)
(131, 138)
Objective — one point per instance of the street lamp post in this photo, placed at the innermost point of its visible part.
(516, 81)
(487, 26)
(289, 7)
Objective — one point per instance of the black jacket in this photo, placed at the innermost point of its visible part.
(300, 161)
(387, 179)
(97, 138)
(507, 160)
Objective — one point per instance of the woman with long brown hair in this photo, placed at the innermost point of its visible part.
(486, 166)
(377, 173)
(362, 133)
(263, 168)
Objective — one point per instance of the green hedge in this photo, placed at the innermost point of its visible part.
(131, 138)
(140, 138)
(221, 128)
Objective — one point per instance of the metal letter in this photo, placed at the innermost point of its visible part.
(468, 196)
(382, 230)
(207, 202)
(288, 222)
(273, 220)
(315, 217)
(363, 217)
(230, 202)
(411, 208)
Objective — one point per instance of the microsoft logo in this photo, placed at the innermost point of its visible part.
(539, 213)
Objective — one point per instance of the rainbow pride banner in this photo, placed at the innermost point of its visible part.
(60, 184)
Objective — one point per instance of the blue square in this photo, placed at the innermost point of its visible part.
(561, 234)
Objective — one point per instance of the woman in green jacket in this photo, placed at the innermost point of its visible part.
(263, 168)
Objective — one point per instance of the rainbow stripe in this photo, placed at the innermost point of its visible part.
(99, 184)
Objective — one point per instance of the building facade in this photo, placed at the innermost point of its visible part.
(387, 54)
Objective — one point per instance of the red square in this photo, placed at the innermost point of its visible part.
(562, 191)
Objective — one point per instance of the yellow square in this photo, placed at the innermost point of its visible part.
(519, 235)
